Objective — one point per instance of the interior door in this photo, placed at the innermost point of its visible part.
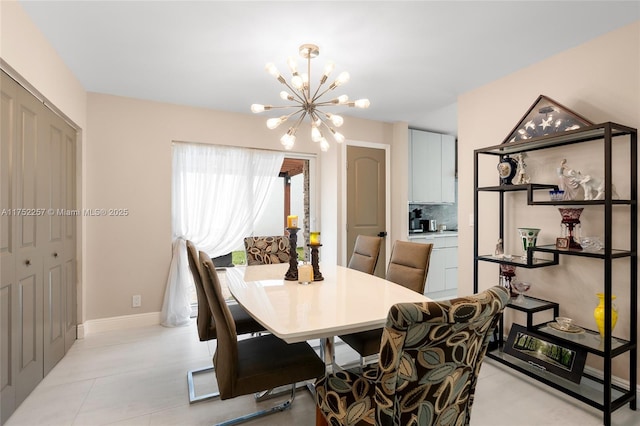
(366, 209)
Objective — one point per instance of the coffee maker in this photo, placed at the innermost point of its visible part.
(414, 220)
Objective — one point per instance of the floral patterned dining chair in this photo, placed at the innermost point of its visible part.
(428, 366)
(267, 250)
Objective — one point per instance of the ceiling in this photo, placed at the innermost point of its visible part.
(411, 59)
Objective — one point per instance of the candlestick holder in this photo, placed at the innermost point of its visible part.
(317, 275)
(292, 273)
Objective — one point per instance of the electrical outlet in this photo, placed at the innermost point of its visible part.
(136, 301)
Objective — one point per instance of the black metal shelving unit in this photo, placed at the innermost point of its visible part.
(600, 393)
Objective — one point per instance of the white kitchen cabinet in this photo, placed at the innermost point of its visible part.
(442, 279)
(432, 167)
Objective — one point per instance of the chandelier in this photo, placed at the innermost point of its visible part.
(308, 103)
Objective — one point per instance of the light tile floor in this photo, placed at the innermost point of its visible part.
(138, 377)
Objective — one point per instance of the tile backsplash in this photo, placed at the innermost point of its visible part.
(444, 214)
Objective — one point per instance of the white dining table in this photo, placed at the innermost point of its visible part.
(346, 301)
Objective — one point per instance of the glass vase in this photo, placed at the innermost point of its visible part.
(598, 313)
(528, 237)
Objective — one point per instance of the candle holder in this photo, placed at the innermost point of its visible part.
(317, 275)
(292, 273)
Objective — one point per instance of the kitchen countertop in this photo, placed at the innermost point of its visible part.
(436, 234)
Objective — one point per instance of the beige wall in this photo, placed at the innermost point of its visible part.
(599, 80)
(129, 166)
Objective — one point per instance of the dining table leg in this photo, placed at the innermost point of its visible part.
(327, 354)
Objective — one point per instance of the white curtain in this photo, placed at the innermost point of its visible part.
(218, 193)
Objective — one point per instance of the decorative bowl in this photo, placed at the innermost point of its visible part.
(564, 323)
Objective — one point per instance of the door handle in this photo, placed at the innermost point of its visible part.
(27, 262)
(382, 234)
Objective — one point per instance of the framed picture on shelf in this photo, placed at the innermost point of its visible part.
(562, 243)
(559, 358)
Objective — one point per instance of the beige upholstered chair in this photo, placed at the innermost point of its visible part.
(267, 250)
(409, 264)
(365, 254)
(251, 365)
(245, 324)
(427, 370)
(408, 267)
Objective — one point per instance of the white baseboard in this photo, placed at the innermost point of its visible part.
(117, 323)
(614, 380)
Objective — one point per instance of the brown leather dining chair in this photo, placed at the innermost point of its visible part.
(365, 254)
(408, 267)
(245, 324)
(427, 369)
(248, 366)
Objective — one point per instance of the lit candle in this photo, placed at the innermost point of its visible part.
(292, 221)
(314, 239)
(305, 273)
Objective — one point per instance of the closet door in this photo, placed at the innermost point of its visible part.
(52, 168)
(37, 242)
(69, 240)
(28, 254)
(8, 284)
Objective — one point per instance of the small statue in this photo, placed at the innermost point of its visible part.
(522, 177)
(593, 187)
(499, 252)
(567, 181)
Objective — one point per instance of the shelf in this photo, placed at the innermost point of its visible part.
(595, 132)
(589, 340)
(531, 187)
(523, 187)
(522, 263)
(599, 254)
(598, 392)
(590, 390)
(532, 304)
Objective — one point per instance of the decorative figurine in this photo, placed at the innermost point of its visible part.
(592, 187)
(499, 249)
(522, 176)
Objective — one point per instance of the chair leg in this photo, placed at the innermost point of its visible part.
(192, 391)
(275, 409)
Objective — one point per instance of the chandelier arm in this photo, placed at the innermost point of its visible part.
(327, 103)
(315, 97)
(281, 106)
(294, 91)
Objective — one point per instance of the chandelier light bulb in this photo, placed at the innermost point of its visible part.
(316, 134)
(297, 82)
(293, 65)
(306, 101)
(362, 103)
(271, 69)
(284, 95)
(342, 78)
(339, 137)
(335, 119)
(272, 123)
(328, 68)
